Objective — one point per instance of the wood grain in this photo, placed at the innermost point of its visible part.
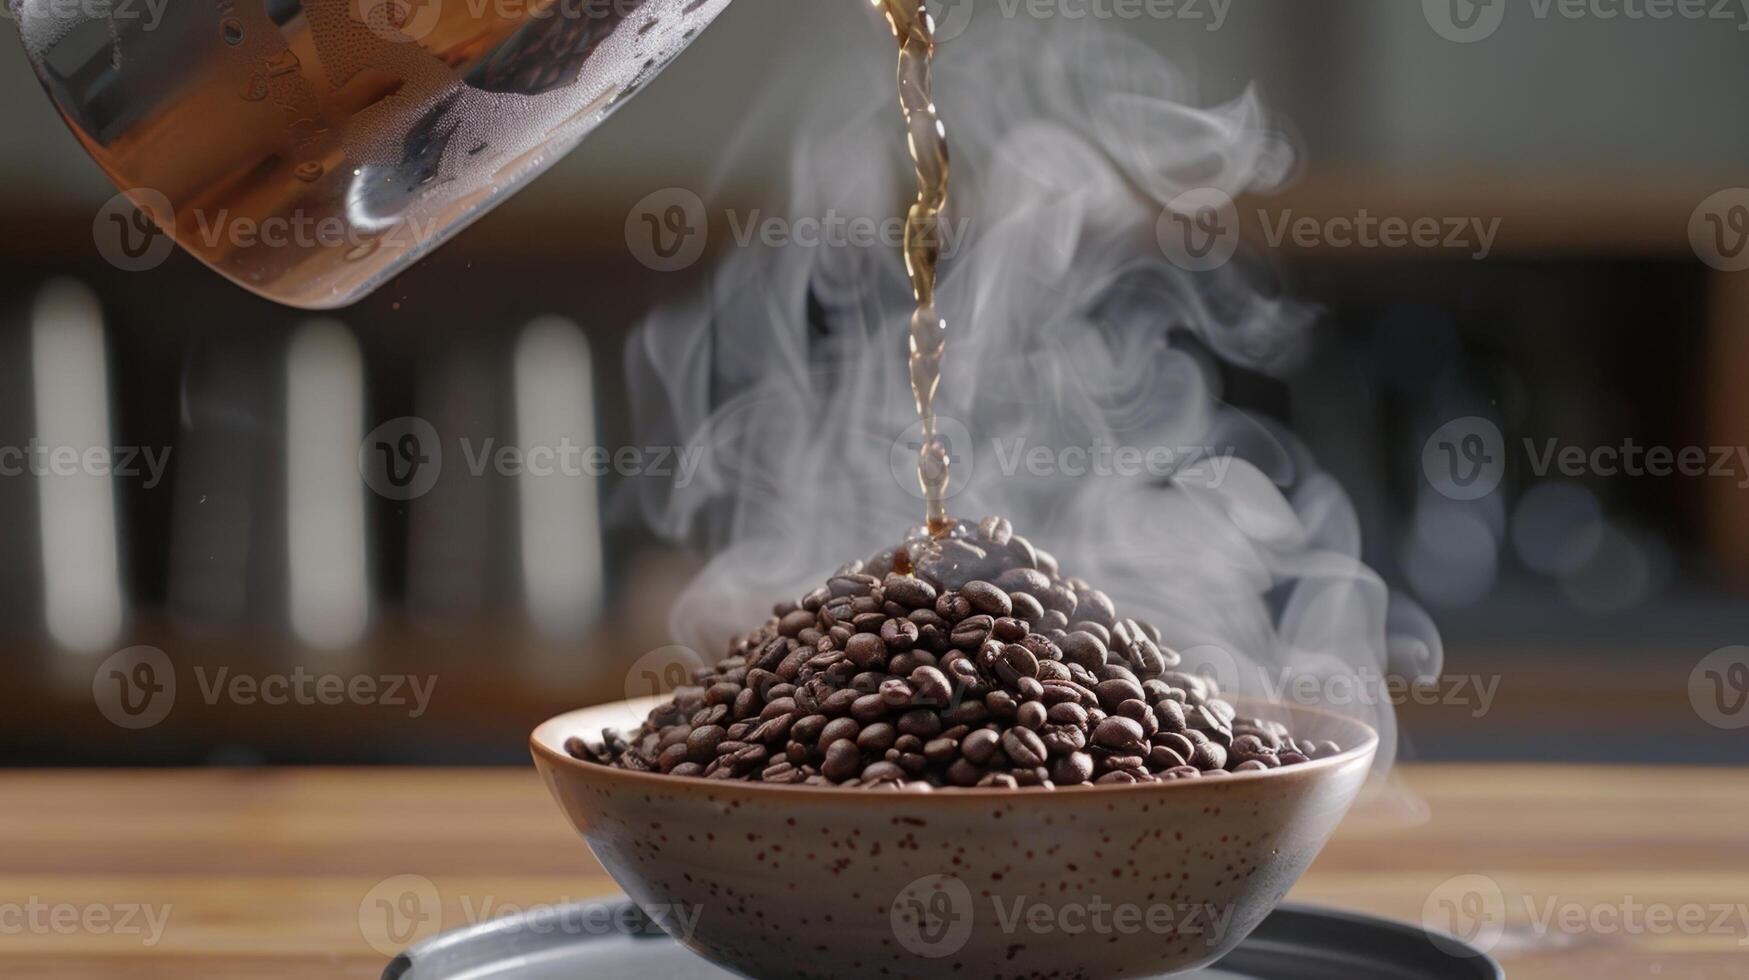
(269, 875)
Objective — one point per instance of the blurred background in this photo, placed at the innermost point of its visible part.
(1603, 312)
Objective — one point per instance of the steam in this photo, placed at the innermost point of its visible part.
(1068, 328)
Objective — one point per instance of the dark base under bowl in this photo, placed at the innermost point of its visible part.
(567, 942)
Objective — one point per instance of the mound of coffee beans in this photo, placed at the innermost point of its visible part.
(962, 661)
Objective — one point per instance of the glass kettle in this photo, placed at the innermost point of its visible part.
(310, 150)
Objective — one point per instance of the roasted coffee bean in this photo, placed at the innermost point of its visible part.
(967, 712)
(980, 746)
(1026, 607)
(882, 772)
(877, 738)
(996, 530)
(1023, 747)
(671, 757)
(1031, 714)
(1162, 759)
(1116, 691)
(1250, 765)
(899, 635)
(971, 632)
(964, 772)
(843, 761)
(795, 622)
(774, 729)
(931, 686)
(896, 693)
(808, 728)
(1028, 580)
(1292, 758)
(986, 598)
(921, 723)
(909, 591)
(839, 729)
(701, 745)
(952, 607)
(1085, 649)
(1118, 734)
(1015, 663)
(1096, 606)
(1063, 739)
(1010, 630)
(941, 750)
(1068, 713)
(1139, 712)
(1209, 756)
(1072, 769)
(1001, 704)
(1176, 742)
(869, 708)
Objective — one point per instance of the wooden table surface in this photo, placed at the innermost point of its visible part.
(291, 874)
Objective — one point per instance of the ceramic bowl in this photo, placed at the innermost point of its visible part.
(1097, 882)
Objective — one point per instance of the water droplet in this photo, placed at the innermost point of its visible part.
(232, 29)
(309, 171)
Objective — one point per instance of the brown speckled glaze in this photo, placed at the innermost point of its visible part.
(801, 881)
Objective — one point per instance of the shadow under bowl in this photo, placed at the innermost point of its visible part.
(802, 882)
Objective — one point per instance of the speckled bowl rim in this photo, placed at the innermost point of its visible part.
(547, 743)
